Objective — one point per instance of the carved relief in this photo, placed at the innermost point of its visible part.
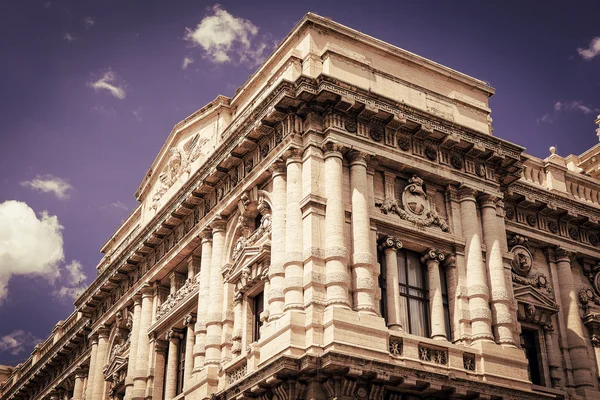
(415, 206)
(522, 260)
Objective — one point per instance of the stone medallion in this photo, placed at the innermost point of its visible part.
(377, 133)
(480, 170)
(522, 260)
(596, 282)
(431, 153)
(414, 198)
(350, 124)
(404, 143)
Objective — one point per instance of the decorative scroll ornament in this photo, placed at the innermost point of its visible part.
(415, 206)
(190, 286)
(522, 261)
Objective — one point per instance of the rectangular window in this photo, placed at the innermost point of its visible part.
(530, 342)
(258, 307)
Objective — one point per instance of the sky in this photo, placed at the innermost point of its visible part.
(89, 92)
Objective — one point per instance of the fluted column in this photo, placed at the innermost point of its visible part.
(477, 289)
(141, 362)
(99, 383)
(503, 323)
(189, 321)
(78, 387)
(135, 332)
(337, 279)
(293, 266)
(432, 259)
(390, 246)
(160, 350)
(276, 271)
(203, 296)
(89, 385)
(582, 375)
(362, 267)
(214, 316)
(173, 336)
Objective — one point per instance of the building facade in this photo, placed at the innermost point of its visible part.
(346, 226)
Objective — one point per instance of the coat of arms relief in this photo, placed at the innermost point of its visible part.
(414, 206)
(180, 159)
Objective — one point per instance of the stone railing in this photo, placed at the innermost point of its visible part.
(189, 287)
(237, 372)
(533, 172)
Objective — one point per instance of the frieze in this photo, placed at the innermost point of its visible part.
(190, 286)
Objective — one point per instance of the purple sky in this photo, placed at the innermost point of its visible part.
(80, 152)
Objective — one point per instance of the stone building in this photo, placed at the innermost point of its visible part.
(346, 226)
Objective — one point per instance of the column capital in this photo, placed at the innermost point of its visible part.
(174, 335)
(137, 299)
(433, 255)
(466, 193)
(390, 242)
(450, 261)
(218, 224)
(81, 372)
(293, 155)
(487, 200)
(331, 148)
(277, 168)
(160, 346)
(205, 235)
(563, 254)
(93, 338)
(357, 157)
(103, 332)
(147, 290)
(189, 320)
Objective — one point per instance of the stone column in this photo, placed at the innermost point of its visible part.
(134, 335)
(276, 270)
(582, 375)
(160, 349)
(503, 324)
(553, 361)
(189, 322)
(477, 289)
(362, 267)
(432, 258)
(173, 336)
(390, 246)
(203, 296)
(236, 338)
(293, 266)
(214, 316)
(92, 368)
(337, 279)
(80, 375)
(141, 362)
(99, 385)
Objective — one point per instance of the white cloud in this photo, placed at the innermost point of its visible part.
(186, 62)
(546, 118)
(592, 51)
(47, 5)
(68, 37)
(50, 184)
(74, 284)
(117, 204)
(109, 81)
(18, 341)
(137, 113)
(88, 22)
(577, 106)
(222, 37)
(28, 245)
(108, 111)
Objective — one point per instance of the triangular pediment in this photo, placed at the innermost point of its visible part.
(534, 306)
(248, 256)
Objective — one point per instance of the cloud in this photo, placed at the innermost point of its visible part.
(74, 284)
(186, 62)
(577, 106)
(47, 5)
(18, 341)
(137, 113)
(107, 111)
(50, 184)
(116, 204)
(30, 245)
(592, 51)
(225, 38)
(68, 37)
(109, 82)
(88, 22)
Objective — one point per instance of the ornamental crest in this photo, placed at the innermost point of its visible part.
(414, 198)
(522, 260)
